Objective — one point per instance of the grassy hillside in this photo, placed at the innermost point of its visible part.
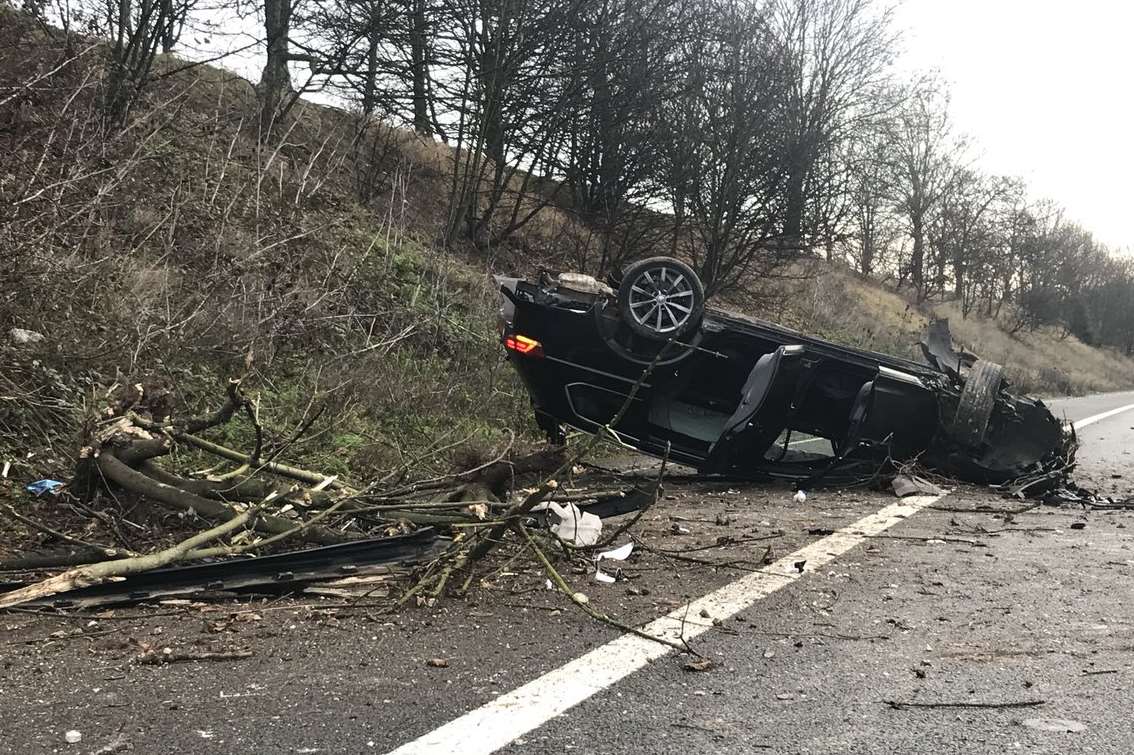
(836, 304)
(179, 252)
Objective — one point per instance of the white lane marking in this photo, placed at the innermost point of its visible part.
(501, 721)
(1100, 417)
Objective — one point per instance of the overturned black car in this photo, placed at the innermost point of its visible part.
(739, 397)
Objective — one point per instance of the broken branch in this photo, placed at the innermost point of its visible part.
(130, 479)
(93, 574)
(896, 705)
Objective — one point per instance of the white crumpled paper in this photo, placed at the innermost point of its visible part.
(572, 525)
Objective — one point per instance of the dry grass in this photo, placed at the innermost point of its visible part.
(836, 304)
(202, 251)
(1042, 362)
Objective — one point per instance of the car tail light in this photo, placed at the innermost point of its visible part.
(523, 345)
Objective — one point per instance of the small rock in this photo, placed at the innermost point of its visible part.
(437, 663)
(698, 664)
(1078, 525)
(785, 696)
(74, 736)
(799, 497)
(21, 336)
(580, 598)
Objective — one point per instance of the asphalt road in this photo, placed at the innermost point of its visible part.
(1014, 611)
(962, 628)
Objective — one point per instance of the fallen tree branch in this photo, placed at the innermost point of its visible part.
(460, 557)
(162, 657)
(897, 705)
(93, 574)
(34, 561)
(244, 489)
(657, 491)
(140, 451)
(222, 415)
(231, 550)
(303, 475)
(133, 480)
(583, 603)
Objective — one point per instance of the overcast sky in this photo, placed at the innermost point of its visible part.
(1046, 88)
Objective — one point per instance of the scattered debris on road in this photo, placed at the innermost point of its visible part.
(904, 485)
(698, 664)
(359, 537)
(166, 656)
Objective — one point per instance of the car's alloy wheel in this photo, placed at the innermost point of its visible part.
(661, 298)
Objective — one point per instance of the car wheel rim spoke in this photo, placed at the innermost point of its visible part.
(661, 299)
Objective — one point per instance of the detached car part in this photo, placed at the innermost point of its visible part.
(738, 396)
(277, 573)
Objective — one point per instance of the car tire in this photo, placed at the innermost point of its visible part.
(974, 409)
(661, 298)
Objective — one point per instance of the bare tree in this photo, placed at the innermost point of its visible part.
(837, 54)
(872, 227)
(138, 30)
(622, 55)
(925, 155)
(511, 99)
(724, 166)
(275, 80)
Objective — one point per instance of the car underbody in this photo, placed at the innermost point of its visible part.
(739, 397)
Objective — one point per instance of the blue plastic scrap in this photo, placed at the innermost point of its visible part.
(39, 487)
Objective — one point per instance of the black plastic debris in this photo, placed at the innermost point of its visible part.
(281, 572)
